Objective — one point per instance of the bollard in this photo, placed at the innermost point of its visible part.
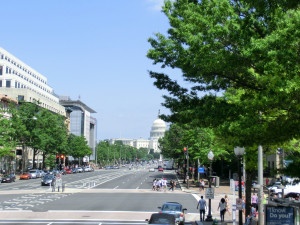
(58, 188)
(63, 187)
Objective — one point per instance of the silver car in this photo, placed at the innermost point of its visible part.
(175, 209)
(35, 174)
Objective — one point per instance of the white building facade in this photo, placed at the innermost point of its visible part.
(158, 130)
(22, 83)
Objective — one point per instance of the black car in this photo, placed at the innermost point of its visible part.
(294, 195)
(48, 180)
(162, 218)
(8, 178)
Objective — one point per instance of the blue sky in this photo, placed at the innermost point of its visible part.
(95, 49)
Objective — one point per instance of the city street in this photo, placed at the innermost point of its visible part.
(104, 196)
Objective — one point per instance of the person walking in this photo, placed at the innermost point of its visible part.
(154, 185)
(254, 200)
(171, 185)
(227, 205)
(222, 207)
(157, 185)
(202, 206)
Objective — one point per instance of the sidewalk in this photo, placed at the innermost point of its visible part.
(219, 192)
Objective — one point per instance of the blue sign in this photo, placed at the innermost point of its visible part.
(280, 215)
(200, 169)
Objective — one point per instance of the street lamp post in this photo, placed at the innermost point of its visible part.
(239, 152)
(210, 156)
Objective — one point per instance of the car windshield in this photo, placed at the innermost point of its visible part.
(48, 177)
(32, 171)
(169, 207)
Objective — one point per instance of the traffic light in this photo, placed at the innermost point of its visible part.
(185, 150)
(62, 156)
(57, 159)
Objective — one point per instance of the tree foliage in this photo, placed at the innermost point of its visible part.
(118, 153)
(246, 50)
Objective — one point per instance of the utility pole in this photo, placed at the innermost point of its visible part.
(260, 186)
(186, 152)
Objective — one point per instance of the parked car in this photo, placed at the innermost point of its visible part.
(293, 195)
(8, 178)
(87, 169)
(175, 209)
(69, 171)
(48, 179)
(35, 174)
(162, 218)
(74, 170)
(25, 176)
(79, 170)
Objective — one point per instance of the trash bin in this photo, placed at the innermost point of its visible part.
(215, 181)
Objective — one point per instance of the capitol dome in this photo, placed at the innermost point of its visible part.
(158, 129)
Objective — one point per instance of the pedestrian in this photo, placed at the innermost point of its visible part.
(227, 205)
(171, 185)
(164, 184)
(244, 204)
(222, 207)
(154, 185)
(161, 184)
(200, 185)
(174, 186)
(202, 206)
(267, 181)
(254, 200)
(203, 184)
(157, 185)
(252, 215)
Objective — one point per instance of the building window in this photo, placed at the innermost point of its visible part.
(0, 83)
(16, 84)
(20, 97)
(1, 69)
(8, 83)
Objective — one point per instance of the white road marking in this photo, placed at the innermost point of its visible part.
(116, 187)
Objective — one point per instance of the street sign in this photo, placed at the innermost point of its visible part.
(280, 215)
(239, 204)
(209, 193)
(200, 169)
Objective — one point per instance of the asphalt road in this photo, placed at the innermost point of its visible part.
(100, 197)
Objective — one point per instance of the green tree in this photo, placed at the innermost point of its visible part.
(51, 135)
(78, 147)
(245, 51)
(7, 144)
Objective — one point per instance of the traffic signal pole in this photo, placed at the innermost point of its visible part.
(186, 152)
